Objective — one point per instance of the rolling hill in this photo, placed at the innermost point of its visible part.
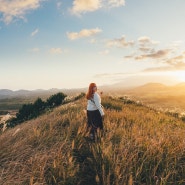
(158, 88)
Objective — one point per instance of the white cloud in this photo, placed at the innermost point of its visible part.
(143, 41)
(56, 51)
(83, 6)
(116, 3)
(120, 42)
(16, 9)
(34, 32)
(59, 4)
(83, 33)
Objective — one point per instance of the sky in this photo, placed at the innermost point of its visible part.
(48, 44)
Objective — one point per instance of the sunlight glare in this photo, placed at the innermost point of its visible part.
(180, 75)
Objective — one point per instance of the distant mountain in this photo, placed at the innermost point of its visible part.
(182, 85)
(157, 89)
(151, 87)
(6, 93)
(118, 87)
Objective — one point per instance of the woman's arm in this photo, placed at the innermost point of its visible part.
(97, 101)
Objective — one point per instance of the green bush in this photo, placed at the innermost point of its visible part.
(55, 100)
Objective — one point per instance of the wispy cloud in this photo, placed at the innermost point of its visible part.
(34, 32)
(120, 42)
(144, 40)
(102, 75)
(17, 9)
(105, 52)
(92, 41)
(35, 50)
(129, 56)
(147, 49)
(166, 59)
(146, 44)
(177, 62)
(83, 33)
(59, 4)
(116, 3)
(56, 51)
(172, 64)
(159, 69)
(83, 6)
(154, 55)
(108, 75)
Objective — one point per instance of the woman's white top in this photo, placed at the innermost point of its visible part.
(95, 104)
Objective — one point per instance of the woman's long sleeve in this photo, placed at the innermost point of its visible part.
(97, 101)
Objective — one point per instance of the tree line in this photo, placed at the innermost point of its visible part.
(33, 110)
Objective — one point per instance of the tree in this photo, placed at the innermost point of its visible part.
(56, 99)
(25, 112)
(38, 106)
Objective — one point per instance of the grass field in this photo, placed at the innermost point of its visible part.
(14, 103)
(139, 146)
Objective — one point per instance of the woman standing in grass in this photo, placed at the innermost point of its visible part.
(95, 112)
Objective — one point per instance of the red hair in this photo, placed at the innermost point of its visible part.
(90, 92)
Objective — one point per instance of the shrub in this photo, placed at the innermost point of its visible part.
(56, 100)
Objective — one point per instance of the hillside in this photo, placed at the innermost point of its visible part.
(159, 96)
(138, 146)
(151, 87)
(158, 88)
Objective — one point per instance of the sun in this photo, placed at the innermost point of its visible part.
(180, 76)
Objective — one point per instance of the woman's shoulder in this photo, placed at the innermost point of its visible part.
(96, 94)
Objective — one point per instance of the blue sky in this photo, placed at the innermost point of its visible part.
(69, 43)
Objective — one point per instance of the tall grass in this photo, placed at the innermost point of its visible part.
(138, 146)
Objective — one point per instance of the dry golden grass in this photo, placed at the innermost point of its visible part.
(138, 146)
